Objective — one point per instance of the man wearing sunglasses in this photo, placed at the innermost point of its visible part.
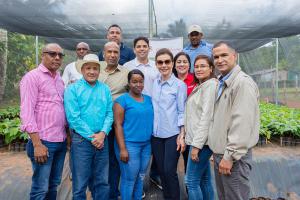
(71, 74)
(43, 118)
(197, 46)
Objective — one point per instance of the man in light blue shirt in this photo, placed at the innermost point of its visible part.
(88, 106)
(143, 63)
(197, 45)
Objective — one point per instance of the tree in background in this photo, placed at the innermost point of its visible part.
(3, 61)
(264, 57)
(176, 29)
(20, 59)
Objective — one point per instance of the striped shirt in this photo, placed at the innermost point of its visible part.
(42, 108)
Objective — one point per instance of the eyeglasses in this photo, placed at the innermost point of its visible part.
(201, 66)
(53, 54)
(161, 62)
(83, 49)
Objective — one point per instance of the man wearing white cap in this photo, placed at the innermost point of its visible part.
(88, 107)
(197, 45)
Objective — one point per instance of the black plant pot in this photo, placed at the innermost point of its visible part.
(2, 143)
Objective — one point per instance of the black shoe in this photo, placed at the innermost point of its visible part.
(156, 181)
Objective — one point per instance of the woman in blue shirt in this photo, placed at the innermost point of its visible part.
(133, 122)
(168, 98)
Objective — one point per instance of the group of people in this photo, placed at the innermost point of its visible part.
(118, 108)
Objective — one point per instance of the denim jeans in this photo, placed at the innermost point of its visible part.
(198, 176)
(46, 177)
(133, 172)
(114, 168)
(166, 157)
(89, 166)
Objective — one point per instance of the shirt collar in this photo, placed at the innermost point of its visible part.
(224, 78)
(85, 82)
(231, 75)
(189, 78)
(201, 44)
(137, 63)
(118, 68)
(170, 81)
(122, 45)
(45, 69)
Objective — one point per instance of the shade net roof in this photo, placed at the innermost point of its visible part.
(247, 24)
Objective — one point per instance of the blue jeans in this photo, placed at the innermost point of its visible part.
(114, 168)
(166, 157)
(133, 172)
(46, 177)
(198, 176)
(89, 166)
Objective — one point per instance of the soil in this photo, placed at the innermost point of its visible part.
(15, 173)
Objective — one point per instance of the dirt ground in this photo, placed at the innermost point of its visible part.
(293, 104)
(15, 173)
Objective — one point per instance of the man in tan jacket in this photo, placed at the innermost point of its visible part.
(235, 126)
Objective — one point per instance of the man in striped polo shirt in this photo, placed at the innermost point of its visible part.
(43, 118)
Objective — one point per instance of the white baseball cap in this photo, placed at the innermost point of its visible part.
(196, 28)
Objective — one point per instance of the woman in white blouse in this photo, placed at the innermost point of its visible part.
(198, 115)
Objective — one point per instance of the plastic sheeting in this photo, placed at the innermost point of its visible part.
(248, 24)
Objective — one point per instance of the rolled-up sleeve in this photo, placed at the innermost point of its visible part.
(28, 95)
(181, 99)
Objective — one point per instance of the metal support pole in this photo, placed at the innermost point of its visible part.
(276, 78)
(238, 59)
(3, 61)
(37, 50)
(150, 15)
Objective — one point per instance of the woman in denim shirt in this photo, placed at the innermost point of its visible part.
(168, 98)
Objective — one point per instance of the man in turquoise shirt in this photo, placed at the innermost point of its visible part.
(88, 106)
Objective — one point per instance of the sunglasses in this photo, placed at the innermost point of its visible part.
(53, 54)
(161, 62)
(83, 49)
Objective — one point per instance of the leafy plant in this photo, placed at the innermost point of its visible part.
(10, 125)
(10, 113)
(279, 121)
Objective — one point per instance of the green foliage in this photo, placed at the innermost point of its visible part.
(176, 29)
(275, 121)
(265, 56)
(10, 125)
(279, 121)
(20, 59)
(9, 113)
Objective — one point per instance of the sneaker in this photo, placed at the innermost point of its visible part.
(143, 195)
(156, 181)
